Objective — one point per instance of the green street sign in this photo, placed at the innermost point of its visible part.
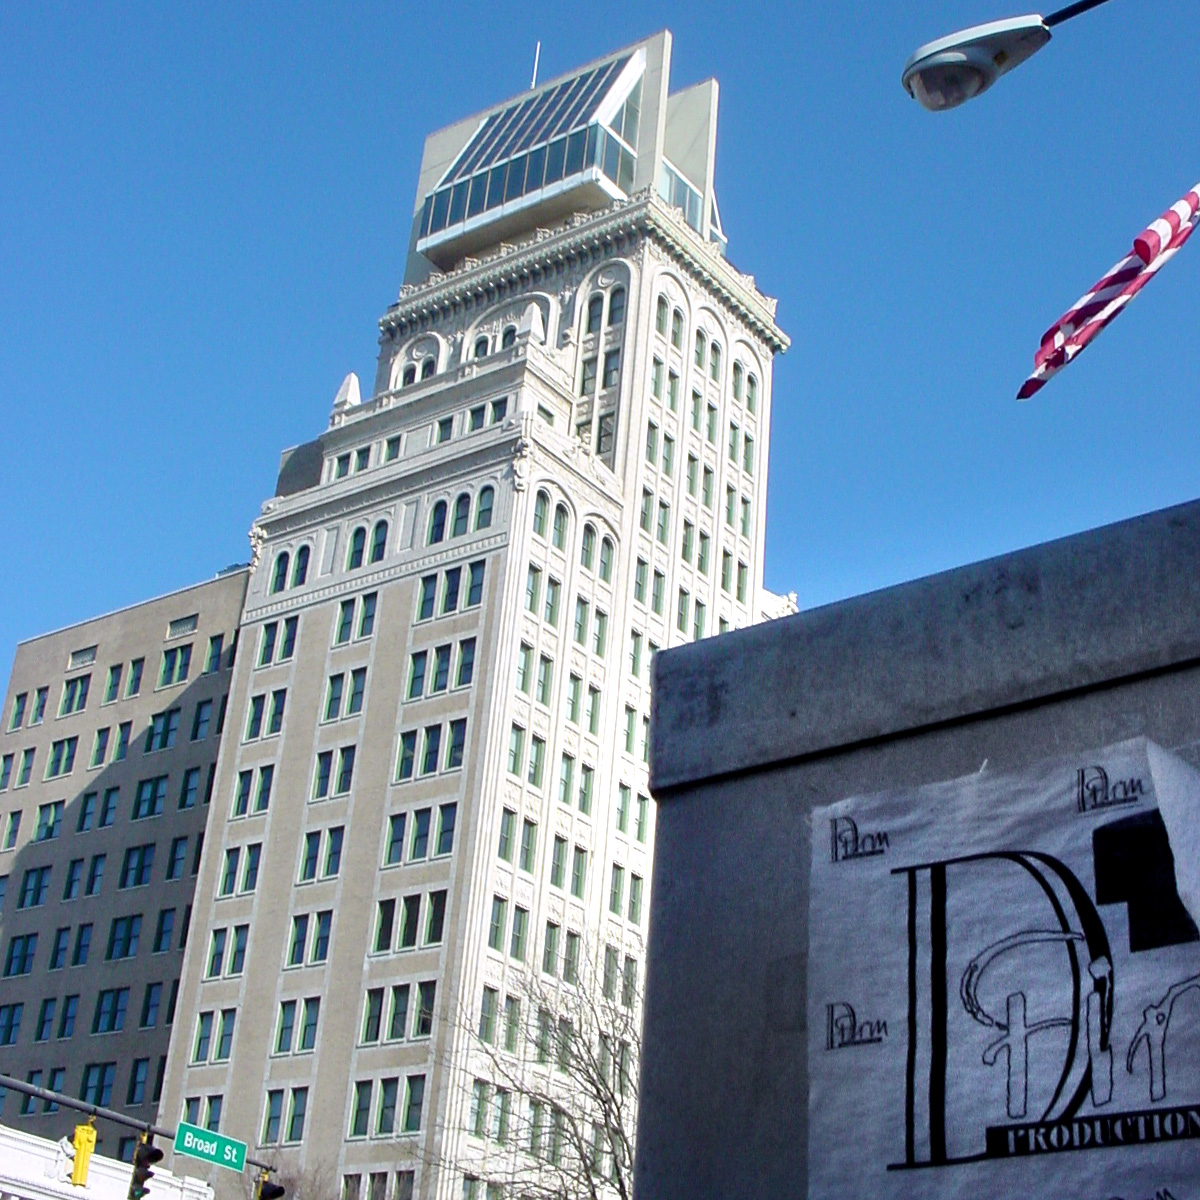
(212, 1147)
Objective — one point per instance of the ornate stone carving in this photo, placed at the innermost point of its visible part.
(258, 539)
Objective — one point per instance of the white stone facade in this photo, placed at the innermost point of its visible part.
(504, 500)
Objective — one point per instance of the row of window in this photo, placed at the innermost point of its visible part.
(57, 1020)
(136, 871)
(160, 735)
(558, 535)
(123, 939)
(429, 740)
(423, 841)
(451, 592)
(397, 926)
(176, 663)
(379, 1117)
(429, 671)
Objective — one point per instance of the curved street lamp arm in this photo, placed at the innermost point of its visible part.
(1072, 10)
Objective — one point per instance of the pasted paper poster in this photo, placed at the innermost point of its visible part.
(1004, 986)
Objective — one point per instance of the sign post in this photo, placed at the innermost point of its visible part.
(212, 1147)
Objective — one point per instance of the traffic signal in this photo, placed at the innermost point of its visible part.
(145, 1155)
(266, 1190)
(84, 1141)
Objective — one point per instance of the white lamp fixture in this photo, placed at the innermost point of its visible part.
(950, 71)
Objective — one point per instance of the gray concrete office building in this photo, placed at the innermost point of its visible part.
(457, 592)
(108, 749)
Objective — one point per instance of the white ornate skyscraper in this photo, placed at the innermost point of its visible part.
(432, 797)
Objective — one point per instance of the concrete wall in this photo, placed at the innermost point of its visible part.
(1041, 653)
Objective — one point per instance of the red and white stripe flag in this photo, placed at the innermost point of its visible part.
(1152, 249)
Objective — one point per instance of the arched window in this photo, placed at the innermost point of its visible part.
(358, 543)
(300, 570)
(594, 312)
(483, 509)
(427, 368)
(379, 541)
(541, 506)
(508, 337)
(699, 349)
(462, 514)
(751, 393)
(279, 579)
(559, 537)
(410, 375)
(677, 329)
(660, 316)
(714, 361)
(606, 560)
(616, 306)
(737, 380)
(481, 347)
(587, 551)
(437, 522)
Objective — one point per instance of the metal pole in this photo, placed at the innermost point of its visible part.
(96, 1110)
(1072, 10)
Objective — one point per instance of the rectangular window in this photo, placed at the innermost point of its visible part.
(581, 620)
(537, 756)
(647, 510)
(550, 949)
(612, 368)
(599, 632)
(212, 663)
(435, 920)
(516, 749)
(640, 573)
(420, 840)
(623, 795)
(366, 619)
(416, 675)
(399, 1019)
(299, 940)
(62, 757)
(99, 750)
(558, 861)
(652, 443)
(550, 611)
(74, 695)
(524, 658)
(579, 872)
(587, 382)
(466, 662)
(177, 857)
(408, 755)
(616, 890)
(643, 807)
(656, 601)
(409, 914)
(447, 815)
(748, 454)
(427, 596)
(528, 844)
(345, 625)
(656, 378)
(450, 596)
(662, 532)
(426, 995)
(593, 710)
(345, 776)
(475, 584)
(545, 679)
(413, 1104)
(433, 743)
(585, 789)
(711, 431)
(395, 844)
(571, 958)
(299, 1107)
(497, 923)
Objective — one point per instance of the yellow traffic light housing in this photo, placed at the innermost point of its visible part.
(266, 1190)
(84, 1141)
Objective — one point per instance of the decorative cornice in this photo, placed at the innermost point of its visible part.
(519, 265)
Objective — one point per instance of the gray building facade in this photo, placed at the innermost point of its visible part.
(108, 755)
(1039, 654)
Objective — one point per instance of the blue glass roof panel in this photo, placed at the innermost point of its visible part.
(535, 120)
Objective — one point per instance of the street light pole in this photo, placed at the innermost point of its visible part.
(950, 71)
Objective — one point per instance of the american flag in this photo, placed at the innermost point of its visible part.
(1152, 248)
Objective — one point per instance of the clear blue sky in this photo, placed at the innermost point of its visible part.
(203, 212)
